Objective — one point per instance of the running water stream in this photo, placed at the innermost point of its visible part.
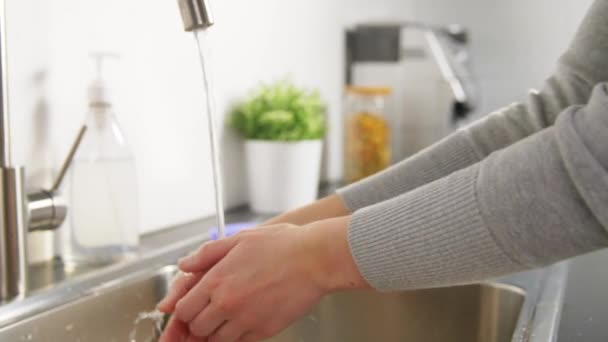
(201, 37)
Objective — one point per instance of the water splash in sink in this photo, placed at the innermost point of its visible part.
(156, 317)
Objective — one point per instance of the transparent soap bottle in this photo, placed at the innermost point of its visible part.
(103, 194)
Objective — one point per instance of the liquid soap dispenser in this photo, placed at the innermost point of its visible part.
(104, 207)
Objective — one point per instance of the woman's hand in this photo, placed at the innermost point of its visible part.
(253, 285)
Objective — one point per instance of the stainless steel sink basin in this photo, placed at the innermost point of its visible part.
(487, 313)
(102, 304)
(106, 314)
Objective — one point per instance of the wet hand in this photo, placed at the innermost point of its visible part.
(251, 286)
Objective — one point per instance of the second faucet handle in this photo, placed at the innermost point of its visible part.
(47, 210)
(68, 160)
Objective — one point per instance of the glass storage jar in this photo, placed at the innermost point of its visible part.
(367, 145)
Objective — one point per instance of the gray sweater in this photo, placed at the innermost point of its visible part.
(524, 187)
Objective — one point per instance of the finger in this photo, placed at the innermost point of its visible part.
(195, 301)
(206, 322)
(176, 331)
(207, 255)
(228, 332)
(196, 339)
(251, 337)
(179, 288)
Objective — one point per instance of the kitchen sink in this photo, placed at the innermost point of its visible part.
(485, 312)
(102, 304)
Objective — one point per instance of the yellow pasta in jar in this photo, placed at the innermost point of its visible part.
(367, 146)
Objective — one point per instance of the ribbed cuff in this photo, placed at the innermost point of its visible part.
(430, 237)
(443, 158)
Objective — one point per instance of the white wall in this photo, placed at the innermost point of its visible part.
(160, 90)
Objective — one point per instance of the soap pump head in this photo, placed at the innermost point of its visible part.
(99, 91)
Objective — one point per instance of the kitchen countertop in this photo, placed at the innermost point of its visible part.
(47, 275)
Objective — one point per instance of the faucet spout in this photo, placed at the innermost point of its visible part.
(196, 14)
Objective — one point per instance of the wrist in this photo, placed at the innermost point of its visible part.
(334, 267)
(329, 207)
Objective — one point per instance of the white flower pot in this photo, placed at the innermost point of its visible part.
(282, 175)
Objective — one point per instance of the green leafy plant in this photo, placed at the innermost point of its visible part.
(280, 112)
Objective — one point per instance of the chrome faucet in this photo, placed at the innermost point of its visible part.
(22, 212)
(381, 42)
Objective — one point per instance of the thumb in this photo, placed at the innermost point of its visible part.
(207, 255)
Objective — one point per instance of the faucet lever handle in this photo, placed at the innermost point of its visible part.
(47, 210)
(69, 159)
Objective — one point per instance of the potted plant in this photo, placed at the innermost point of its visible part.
(284, 127)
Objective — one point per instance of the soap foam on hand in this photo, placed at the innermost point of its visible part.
(232, 229)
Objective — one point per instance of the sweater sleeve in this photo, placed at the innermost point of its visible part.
(536, 202)
(582, 66)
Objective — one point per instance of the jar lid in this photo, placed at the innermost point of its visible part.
(369, 91)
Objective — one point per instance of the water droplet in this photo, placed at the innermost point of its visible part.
(155, 316)
(69, 327)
